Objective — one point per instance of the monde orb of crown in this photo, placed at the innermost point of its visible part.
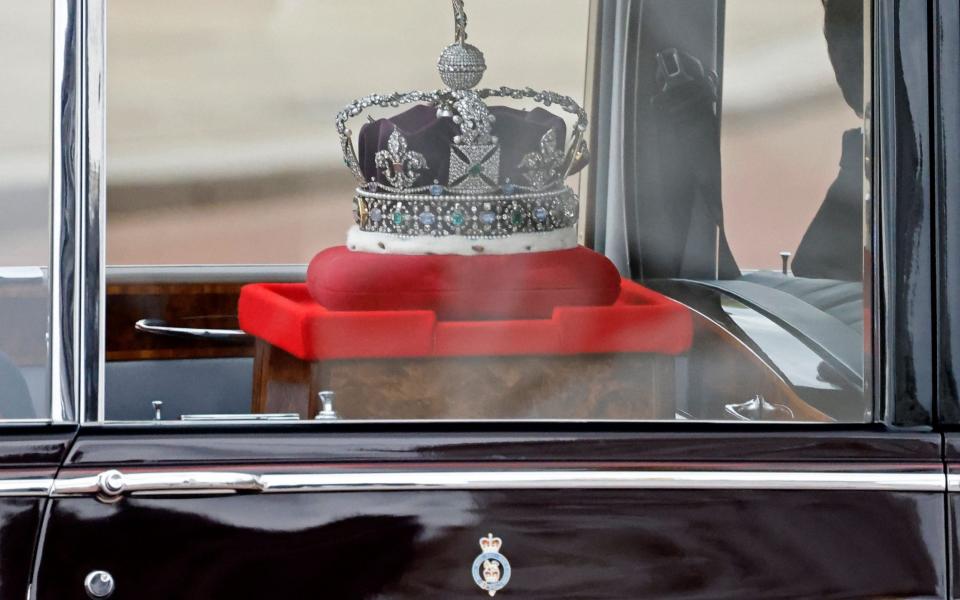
(461, 66)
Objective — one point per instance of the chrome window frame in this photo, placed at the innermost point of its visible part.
(77, 216)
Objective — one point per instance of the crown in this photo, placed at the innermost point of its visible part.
(452, 170)
(490, 543)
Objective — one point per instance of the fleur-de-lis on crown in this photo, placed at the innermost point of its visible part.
(542, 168)
(400, 165)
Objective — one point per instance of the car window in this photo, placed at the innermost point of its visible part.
(595, 211)
(24, 202)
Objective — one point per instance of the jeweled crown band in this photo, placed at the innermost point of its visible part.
(470, 216)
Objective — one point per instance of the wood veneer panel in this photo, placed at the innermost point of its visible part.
(179, 304)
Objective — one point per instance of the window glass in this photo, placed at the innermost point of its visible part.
(220, 131)
(469, 257)
(784, 129)
(24, 203)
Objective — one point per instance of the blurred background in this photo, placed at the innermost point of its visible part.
(221, 145)
(25, 70)
(783, 121)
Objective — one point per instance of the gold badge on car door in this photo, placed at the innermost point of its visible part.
(491, 570)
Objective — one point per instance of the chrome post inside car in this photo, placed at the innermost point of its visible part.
(157, 410)
(327, 412)
(99, 584)
(785, 261)
(758, 409)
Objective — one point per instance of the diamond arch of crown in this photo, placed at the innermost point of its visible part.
(445, 101)
(456, 102)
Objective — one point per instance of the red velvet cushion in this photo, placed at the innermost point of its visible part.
(513, 286)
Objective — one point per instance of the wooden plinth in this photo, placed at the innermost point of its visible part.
(601, 386)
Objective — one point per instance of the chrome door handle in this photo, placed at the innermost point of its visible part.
(160, 327)
(111, 486)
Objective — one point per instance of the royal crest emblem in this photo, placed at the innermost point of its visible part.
(491, 570)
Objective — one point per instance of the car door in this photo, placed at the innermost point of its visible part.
(749, 481)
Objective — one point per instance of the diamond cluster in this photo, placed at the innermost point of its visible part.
(475, 217)
(461, 66)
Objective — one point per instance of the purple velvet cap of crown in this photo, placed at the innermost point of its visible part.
(519, 133)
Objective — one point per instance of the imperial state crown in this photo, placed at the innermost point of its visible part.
(452, 175)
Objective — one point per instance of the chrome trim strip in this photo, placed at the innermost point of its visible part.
(92, 275)
(34, 487)
(953, 482)
(113, 484)
(160, 327)
(523, 480)
(155, 274)
(71, 486)
(77, 261)
(226, 418)
(64, 210)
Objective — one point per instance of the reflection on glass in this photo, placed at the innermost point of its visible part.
(24, 203)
